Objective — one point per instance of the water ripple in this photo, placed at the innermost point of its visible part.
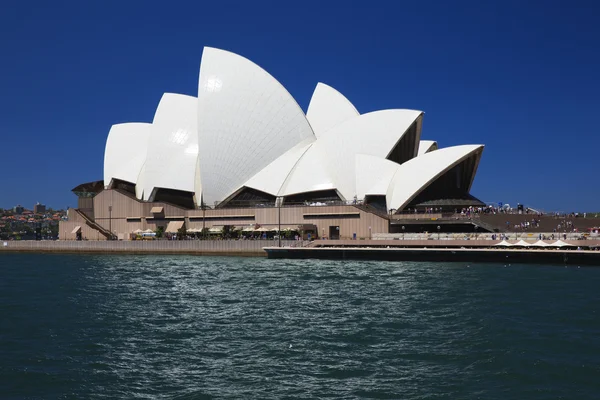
(106, 327)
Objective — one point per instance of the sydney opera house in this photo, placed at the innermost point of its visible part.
(244, 154)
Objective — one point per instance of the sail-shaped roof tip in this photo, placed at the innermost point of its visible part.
(246, 120)
(426, 146)
(172, 155)
(125, 152)
(328, 108)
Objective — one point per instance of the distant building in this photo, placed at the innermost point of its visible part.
(39, 208)
(18, 209)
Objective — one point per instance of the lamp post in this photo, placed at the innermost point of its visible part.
(110, 222)
(278, 200)
(203, 219)
(438, 229)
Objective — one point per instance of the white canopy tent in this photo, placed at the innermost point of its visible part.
(503, 243)
(560, 243)
(541, 243)
(523, 243)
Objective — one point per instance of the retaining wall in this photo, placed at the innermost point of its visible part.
(197, 247)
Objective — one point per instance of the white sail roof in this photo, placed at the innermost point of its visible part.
(172, 155)
(309, 174)
(246, 130)
(426, 146)
(246, 119)
(328, 108)
(125, 151)
(373, 175)
(374, 134)
(415, 175)
(271, 178)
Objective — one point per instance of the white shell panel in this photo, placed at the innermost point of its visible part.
(125, 151)
(271, 178)
(328, 108)
(373, 134)
(425, 146)
(309, 174)
(373, 175)
(246, 119)
(172, 156)
(415, 175)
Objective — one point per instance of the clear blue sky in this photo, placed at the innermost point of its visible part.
(520, 77)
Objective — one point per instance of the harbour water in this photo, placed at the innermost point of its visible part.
(184, 327)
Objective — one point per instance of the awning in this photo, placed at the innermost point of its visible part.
(248, 229)
(522, 243)
(560, 243)
(541, 243)
(156, 210)
(76, 229)
(174, 226)
(216, 229)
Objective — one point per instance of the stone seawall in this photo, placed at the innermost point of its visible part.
(196, 247)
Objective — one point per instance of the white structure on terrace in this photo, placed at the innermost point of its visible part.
(245, 141)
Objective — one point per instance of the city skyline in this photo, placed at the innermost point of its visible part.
(517, 79)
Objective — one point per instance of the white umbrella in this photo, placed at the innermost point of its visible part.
(148, 231)
(522, 243)
(503, 243)
(138, 231)
(560, 243)
(541, 243)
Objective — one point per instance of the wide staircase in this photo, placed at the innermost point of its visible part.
(485, 226)
(92, 224)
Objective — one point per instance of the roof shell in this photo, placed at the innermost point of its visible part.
(415, 175)
(328, 108)
(426, 146)
(246, 120)
(271, 178)
(333, 155)
(172, 155)
(373, 175)
(125, 151)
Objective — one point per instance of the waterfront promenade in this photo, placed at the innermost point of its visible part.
(253, 247)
